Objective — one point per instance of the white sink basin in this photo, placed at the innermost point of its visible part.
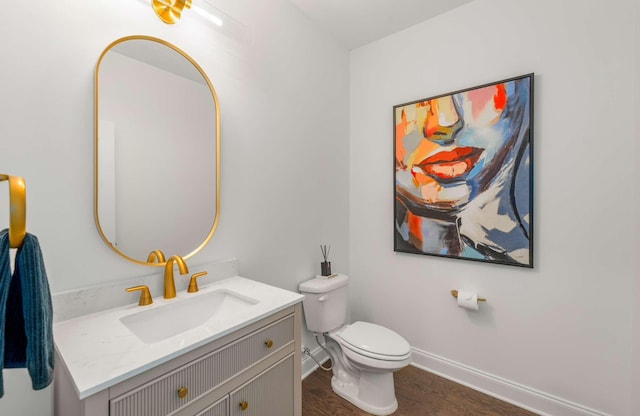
(177, 316)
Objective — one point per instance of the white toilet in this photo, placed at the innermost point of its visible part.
(364, 355)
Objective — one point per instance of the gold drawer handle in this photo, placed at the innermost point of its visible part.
(244, 405)
(182, 392)
(268, 343)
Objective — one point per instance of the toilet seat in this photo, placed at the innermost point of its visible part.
(372, 341)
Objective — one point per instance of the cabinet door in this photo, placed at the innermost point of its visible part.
(216, 409)
(269, 394)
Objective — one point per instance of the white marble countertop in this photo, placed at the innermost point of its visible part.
(99, 351)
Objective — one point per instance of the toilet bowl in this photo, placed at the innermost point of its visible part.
(364, 355)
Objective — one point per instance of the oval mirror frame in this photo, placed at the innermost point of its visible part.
(96, 152)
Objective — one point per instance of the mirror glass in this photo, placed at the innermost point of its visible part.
(157, 150)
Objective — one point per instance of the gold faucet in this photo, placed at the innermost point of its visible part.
(156, 256)
(169, 283)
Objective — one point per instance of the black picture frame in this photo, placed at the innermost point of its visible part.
(463, 173)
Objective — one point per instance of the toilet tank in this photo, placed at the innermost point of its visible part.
(325, 302)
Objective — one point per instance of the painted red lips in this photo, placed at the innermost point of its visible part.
(451, 164)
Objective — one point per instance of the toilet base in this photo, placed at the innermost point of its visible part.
(372, 392)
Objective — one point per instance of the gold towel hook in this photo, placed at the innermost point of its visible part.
(17, 209)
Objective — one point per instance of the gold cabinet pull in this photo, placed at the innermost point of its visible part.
(193, 284)
(268, 343)
(182, 392)
(145, 295)
(244, 405)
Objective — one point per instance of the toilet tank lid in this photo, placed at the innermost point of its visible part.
(323, 284)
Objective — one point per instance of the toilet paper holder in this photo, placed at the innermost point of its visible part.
(454, 293)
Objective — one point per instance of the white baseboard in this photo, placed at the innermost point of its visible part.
(528, 398)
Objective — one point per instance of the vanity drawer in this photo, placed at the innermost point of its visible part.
(160, 397)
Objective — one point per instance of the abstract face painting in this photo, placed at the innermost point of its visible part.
(463, 174)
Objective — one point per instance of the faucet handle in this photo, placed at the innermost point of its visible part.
(193, 284)
(145, 295)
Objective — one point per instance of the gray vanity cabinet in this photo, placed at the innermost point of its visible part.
(255, 371)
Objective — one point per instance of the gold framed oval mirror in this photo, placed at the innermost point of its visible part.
(157, 150)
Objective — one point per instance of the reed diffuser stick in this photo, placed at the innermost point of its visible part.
(325, 266)
(325, 249)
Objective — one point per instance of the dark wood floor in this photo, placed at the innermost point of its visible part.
(419, 393)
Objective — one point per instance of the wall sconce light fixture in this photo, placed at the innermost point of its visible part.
(170, 11)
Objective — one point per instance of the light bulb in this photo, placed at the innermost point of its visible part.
(207, 15)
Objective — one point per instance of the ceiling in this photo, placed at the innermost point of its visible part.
(358, 22)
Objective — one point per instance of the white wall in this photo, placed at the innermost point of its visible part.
(284, 109)
(556, 338)
(636, 150)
